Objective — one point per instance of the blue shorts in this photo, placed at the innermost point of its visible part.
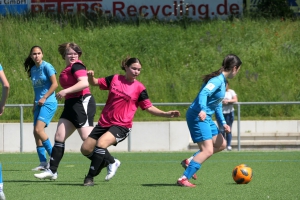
(45, 112)
(200, 130)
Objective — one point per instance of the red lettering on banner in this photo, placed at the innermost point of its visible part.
(67, 6)
(164, 12)
(175, 8)
(224, 7)
(131, 11)
(234, 9)
(154, 12)
(206, 11)
(49, 8)
(123, 9)
(96, 7)
(189, 8)
(180, 8)
(115, 9)
(82, 7)
(145, 14)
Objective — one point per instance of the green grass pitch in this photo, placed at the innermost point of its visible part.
(153, 176)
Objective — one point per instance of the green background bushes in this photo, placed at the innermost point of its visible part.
(175, 56)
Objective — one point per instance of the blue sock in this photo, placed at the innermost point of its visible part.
(47, 145)
(1, 181)
(196, 153)
(191, 169)
(42, 154)
(228, 138)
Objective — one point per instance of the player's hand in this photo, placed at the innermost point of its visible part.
(61, 94)
(41, 101)
(225, 102)
(202, 115)
(226, 128)
(90, 73)
(174, 113)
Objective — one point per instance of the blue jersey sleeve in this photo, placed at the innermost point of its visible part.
(50, 70)
(207, 90)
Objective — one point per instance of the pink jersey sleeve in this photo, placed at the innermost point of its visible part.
(145, 104)
(102, 84)
(80, 73)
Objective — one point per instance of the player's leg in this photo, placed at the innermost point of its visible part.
(219, 143)
(185, 163)
(64, 129)
(86, 105)
(43, 116)
(88, 149)
(2, 196)
(46, 114)
(40, 149)
(201, 134)
(120, 133)
(229, 135)
(98, 155)
(41, 152)
(206, 148)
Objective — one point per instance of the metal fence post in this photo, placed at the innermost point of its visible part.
(238, 127)
(129, 142)
(21, 128)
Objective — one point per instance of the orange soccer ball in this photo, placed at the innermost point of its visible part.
(242, 174)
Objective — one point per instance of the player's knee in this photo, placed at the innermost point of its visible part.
(85, 150)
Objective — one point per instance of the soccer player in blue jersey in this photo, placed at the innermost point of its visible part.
(42, 75)
(203, 130)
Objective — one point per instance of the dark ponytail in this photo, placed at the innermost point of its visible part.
(228, 63)
(29, 63)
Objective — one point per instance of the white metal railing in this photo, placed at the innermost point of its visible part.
(21, 106)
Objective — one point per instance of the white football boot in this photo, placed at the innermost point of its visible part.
(112, 169)
(43, 166)
(46, 175)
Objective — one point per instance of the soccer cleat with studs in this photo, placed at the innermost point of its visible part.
(112, 169)
(46, 175)
(184, 183)
(88, 181)
(185, 163)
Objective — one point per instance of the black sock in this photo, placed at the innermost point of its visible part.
(97, 162)
(56, 155)
(110, 159)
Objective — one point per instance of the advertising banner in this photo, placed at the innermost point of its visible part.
(13, 6)
(170, 9)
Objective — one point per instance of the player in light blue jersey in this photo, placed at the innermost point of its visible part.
(203, 130)
(42, 75)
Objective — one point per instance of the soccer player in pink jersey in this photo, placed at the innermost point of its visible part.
(125, 95)
(79, 107)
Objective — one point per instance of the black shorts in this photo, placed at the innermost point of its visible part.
(120, 132)
(80, 111)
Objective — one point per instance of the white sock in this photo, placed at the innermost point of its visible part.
(1, 187)
(183, 176)
(190, 158)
